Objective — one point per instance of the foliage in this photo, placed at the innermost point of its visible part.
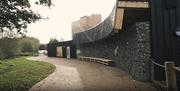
(12, 47)
(53, 40)
(17, 14)
(43, 47)
(9, 34)
(20, 74)
(29, 44)
(8, 48)
(1, 54)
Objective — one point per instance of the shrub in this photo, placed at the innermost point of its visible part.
(12, 47)
(8, 48)
(1, 54)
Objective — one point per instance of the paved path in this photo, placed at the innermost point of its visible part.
(74, 75)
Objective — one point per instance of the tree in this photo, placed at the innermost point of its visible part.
(43, 47)
(29, 44)
(8, 48)
(9, 34)
(53, 40)
(17, 14)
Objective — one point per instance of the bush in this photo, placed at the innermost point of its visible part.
(12, 47)
(29, 45)
(1, 54)
(8, 48)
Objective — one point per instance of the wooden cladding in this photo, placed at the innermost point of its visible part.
(119, 19)
(122, 6)
(128, 4)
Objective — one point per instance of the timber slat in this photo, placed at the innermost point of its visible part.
(98, 60)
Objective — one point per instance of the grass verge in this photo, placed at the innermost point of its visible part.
(20, 74)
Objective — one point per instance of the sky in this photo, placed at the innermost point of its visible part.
(60, 16)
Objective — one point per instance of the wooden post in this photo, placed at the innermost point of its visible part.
(170, 76)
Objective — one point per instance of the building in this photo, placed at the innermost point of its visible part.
(85, 23)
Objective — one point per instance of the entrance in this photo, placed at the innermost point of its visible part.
(68, 51)
(59, 51)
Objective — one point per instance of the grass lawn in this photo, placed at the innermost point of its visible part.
(20, 74)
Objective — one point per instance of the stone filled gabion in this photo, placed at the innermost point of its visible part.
(130, 49)
(98, 32)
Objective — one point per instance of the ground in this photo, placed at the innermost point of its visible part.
(75, 75)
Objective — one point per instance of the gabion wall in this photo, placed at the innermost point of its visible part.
(130, 49)
(104, 29)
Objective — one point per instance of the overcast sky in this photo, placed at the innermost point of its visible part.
(62, 14)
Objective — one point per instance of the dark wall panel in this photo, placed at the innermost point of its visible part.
(130, 49)
(73, 51)
(165, 44)
(165, 19)
(51, 48)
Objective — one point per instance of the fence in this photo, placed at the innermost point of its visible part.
(170, 72)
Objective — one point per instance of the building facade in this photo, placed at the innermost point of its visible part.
(85, 23)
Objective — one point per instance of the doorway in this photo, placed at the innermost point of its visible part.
(68, 52)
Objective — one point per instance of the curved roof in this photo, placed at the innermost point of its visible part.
(120, 17)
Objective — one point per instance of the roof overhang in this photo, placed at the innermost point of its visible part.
(130, 4)
(121, 8)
